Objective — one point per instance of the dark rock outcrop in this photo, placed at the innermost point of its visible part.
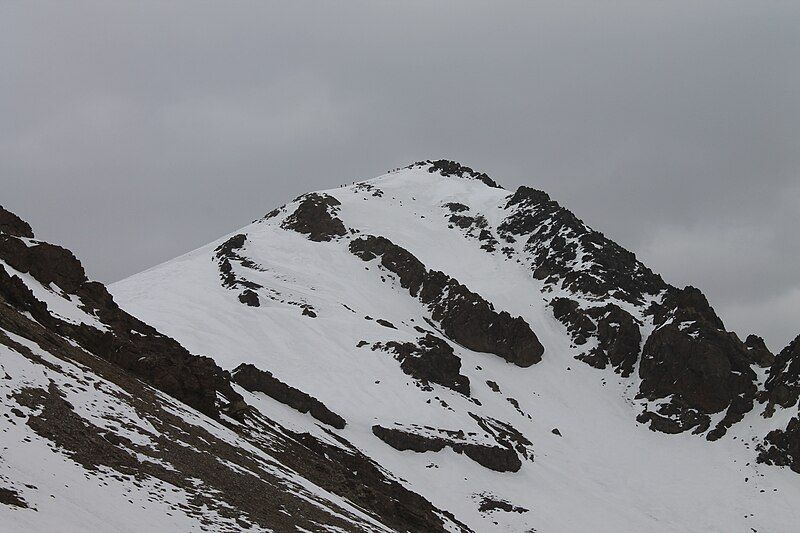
(13, 225)
(759, 353)
(617, 332)
(255, 380)
(465, 316)
(568, 254)
(506, 435)
(127, 342)
(248, 297)
(430, 360)
(783, 383)
(226, 255)
(446, 168)
(12, 498)
(316, 217)
(489, 504)
(781, 447)
(692, 358)
(498, 458)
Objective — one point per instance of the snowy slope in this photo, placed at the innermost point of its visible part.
(292, 298)
(107, 425)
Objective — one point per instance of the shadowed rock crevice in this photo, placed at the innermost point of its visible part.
(315, 216)
(465, 317)
(498, 458)
(254, 380)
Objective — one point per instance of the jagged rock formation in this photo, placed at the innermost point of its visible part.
(781, 447)
(692, 359)
(759, 353)
(571, 255)
(617, 332)
(227, 254)
(465, 317)
(444, 167)
(783, 384)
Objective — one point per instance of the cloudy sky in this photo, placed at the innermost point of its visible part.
(132, 133)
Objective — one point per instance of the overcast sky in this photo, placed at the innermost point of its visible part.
(134, 132)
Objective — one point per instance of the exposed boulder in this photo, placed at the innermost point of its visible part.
(465, 316)
(315, 216)
(248, 297)
(255, 380)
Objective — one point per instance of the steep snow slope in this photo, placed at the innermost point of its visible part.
(305, 294)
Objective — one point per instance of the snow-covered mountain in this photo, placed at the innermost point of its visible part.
(421, 351)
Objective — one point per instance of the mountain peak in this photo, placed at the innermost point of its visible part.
(446, 167)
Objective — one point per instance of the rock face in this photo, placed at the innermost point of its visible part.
(13, 225)
(316, 217)
(430, 360)
(569, 254)
(759, 353)
(781, 447)
(255, 380)
(692, 358)
(783, 384)
(498, 458)
(465, 317)
(617, 332)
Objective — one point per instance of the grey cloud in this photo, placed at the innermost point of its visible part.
(133, 132)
